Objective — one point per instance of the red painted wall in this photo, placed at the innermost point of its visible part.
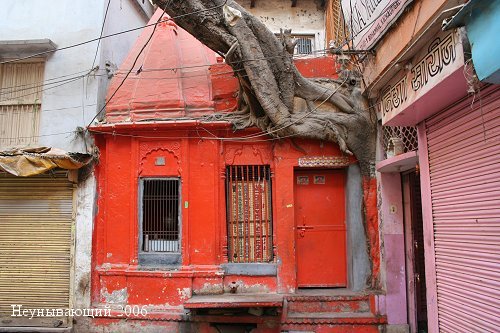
(128, 152)
(201, 166)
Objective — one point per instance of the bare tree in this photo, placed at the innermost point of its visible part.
(274, 96)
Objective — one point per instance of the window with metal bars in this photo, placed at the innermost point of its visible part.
(249, 213)
(159, 220)
(304, 44)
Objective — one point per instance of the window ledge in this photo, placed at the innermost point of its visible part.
(254, 269)
(159, 260)
(398, 163)
(26, 46)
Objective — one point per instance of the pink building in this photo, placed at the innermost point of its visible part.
(439, 172)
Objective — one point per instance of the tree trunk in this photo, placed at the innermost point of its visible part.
(271, 84)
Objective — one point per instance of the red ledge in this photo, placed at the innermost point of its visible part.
(399, 163)
(159, 125)
(160, 274)
(338, 321)
(234, 301)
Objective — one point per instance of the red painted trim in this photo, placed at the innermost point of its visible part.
(430, 256)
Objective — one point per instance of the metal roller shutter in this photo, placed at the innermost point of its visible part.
(36, 219)
(464, 164)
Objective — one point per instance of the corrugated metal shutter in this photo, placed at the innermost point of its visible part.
(464, 163)
(36, 219)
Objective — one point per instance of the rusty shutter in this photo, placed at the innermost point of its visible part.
(464, 164)
(36, 219)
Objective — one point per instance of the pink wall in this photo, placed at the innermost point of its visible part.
(392, 233)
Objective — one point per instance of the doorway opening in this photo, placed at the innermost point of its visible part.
(414, 245)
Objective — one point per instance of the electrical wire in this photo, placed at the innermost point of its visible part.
(265, 133)
(111, 35)
(37, 92)
(154, 24)
(201, 118)
(142, 49)
(100, 35)
(36, 84)
(35, 88)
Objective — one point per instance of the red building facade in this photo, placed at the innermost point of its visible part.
(208, 230)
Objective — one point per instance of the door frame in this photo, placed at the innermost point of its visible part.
(409, 253)
(411, 287)
(295, 233)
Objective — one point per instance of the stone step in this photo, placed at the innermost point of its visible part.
(322, 305)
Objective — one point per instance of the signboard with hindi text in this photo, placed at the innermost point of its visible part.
(428, 80)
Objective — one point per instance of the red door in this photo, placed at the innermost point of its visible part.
(320, 228)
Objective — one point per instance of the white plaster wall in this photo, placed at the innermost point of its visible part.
(74, 104)
(84, 218)
(122, 15)
(306, 18)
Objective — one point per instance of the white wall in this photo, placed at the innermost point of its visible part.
(67, 23)
(306, 18)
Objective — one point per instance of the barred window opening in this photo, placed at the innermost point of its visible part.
(408, 136)
(160, 215)
(249, 222)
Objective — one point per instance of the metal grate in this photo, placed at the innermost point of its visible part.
(160, 215)
(304, 44)
(407, 134)
(249, 222)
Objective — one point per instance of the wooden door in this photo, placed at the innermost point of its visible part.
(320, 228)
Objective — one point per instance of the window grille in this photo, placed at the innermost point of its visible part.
(407, 134)
(160, 215)
(304, 44)
(249, 222)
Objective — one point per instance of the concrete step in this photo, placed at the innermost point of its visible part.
(332, 304)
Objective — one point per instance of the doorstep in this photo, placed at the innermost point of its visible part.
(241, 300)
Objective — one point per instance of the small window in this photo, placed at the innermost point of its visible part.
(249, 223)
(304, 44)
(21, 86)
(159, 221)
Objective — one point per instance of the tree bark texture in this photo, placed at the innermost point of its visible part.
(271, 84)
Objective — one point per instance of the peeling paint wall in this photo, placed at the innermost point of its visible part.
(85, 194)
(306, 18)
(357, 251)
